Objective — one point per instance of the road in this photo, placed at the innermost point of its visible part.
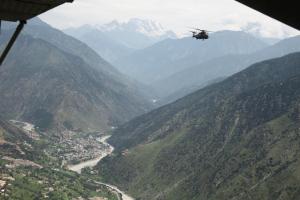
(117, 190)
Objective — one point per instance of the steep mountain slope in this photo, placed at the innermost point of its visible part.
(136, 33)
(172, 55)
(222, 66)
(238, 139)
(105, 46)
(39, 29)
(12, 141)
(41, 81)
(170, 95)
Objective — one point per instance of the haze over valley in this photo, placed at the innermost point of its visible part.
(173, 67)
(128, 108)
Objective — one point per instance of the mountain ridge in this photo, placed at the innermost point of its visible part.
(224, 66)
(173, 55)
(105, 46)
(225, 141)
(53, 84)
(136, 33)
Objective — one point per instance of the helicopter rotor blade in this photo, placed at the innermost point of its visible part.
(193, 28)
(198, 29)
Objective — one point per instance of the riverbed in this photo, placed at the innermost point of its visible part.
(92, 163)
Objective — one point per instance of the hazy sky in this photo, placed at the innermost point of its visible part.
(176, 15)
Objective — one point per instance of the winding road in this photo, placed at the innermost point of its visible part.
(122, 195)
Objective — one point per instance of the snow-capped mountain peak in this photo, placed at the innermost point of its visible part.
(114, 25)
(136, 33)
(146, 27)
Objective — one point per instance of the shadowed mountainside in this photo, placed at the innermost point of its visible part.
(64, 84)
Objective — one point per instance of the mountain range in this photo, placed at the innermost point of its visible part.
(115, 39)
(137, 33)
(167, 57)
(54, 80)
(176, 67)
(196, 76)
(236, 139)
(228, 125)
(104, 45)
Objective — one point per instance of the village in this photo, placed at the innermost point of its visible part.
(74, 148)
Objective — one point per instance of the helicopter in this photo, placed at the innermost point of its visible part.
(200, 34)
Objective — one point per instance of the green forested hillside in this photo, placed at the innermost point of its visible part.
(28, 172)
(237, 139)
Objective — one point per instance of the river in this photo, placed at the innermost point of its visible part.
(92, 163)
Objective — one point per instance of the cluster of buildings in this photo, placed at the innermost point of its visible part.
(73, 149)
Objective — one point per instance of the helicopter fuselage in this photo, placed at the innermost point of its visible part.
(201, 36)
